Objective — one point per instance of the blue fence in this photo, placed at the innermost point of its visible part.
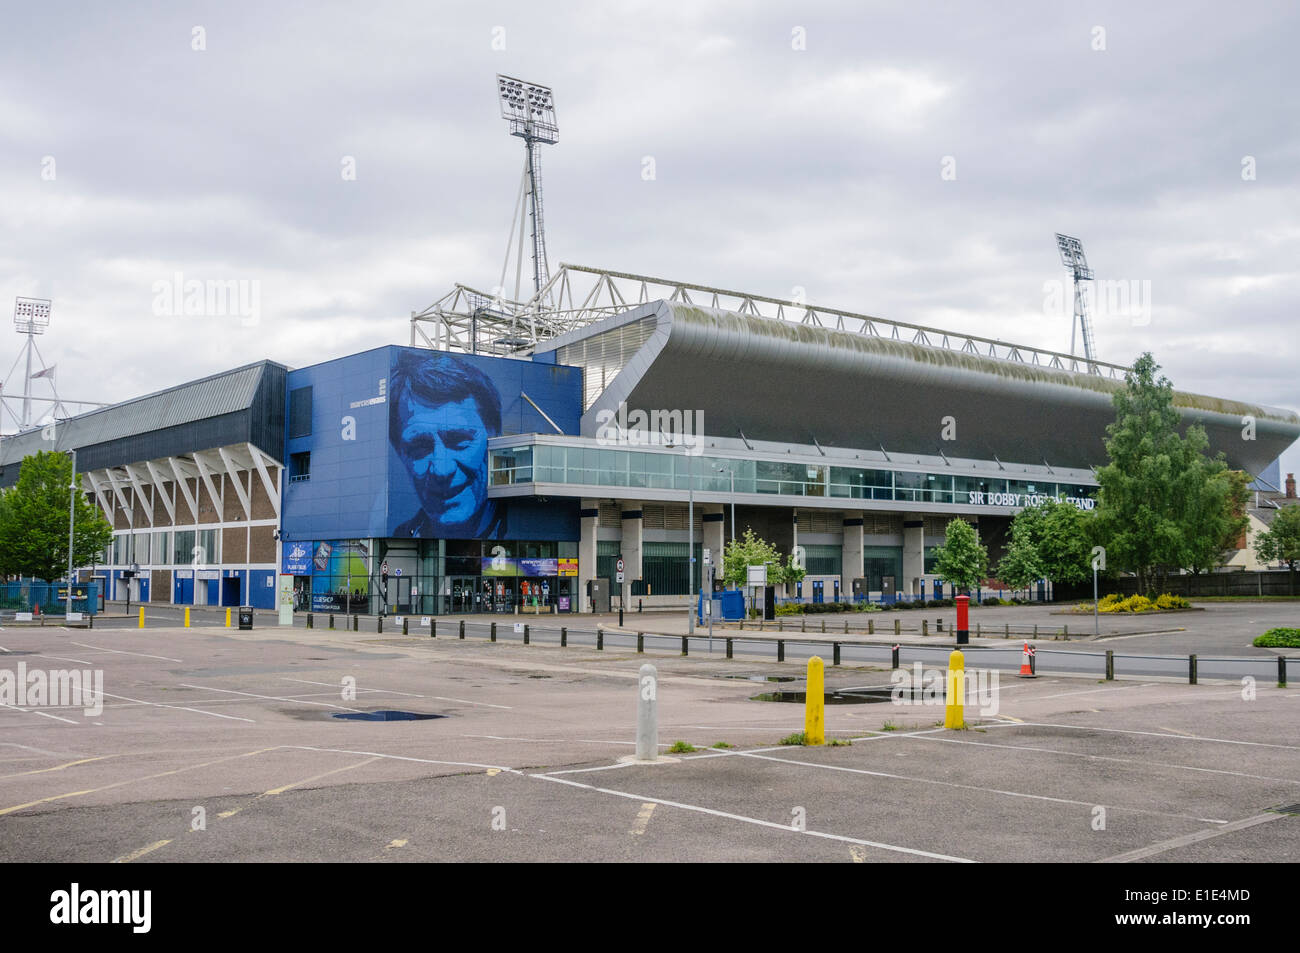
(51, 597)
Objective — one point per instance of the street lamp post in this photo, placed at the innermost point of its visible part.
(730, 471)
(72, 520)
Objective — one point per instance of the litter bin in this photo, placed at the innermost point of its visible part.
(245, 617)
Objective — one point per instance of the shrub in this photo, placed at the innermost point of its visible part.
(1169, 601)
(1279, 639)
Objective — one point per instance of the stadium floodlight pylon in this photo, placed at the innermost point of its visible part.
(32, 317)
(530, 110)
(1073, 258)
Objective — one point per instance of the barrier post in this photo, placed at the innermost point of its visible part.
(1191, 670)
(564, 636)
(379, 624)
(187, 617)
(925, 626)
(405, 624)
(835, 658)
(729, 648)
(893, 663)
(955, 709)
(462, 629)
(492, 632)
(433, 628)
(356, 622)
(1110, 665)
(1281, 671)
(898, 627)
(640, 643)
(142, 617)
(309, 619)
(227, 618)
(525, 633)
(600, 639)
(331, 620)
(685, 645)
(814, 712)
(780, 650)
(871, 627)
(647, 718)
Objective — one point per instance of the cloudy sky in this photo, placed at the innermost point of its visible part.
(909, 160)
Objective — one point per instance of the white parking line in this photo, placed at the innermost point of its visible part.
(273, 698)
(60, 658)
(198, 711)
(385, 691)
(35, 711)
(755, 820)
(101, 648)
(1154, 734)
(972, 787)
(1174, 843)
(1141, 762)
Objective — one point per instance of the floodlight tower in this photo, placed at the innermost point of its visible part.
(530, 110)
(1072, 257)
(31, 317)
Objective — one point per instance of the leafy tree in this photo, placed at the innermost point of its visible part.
(34, 521)
(1059, 534)
(1216, 515)
(751, 550)
(1164, 503)
(1021, 564)
(961, 560)
(1281, 541)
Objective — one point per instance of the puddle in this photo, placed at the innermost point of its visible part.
(384, 715)
(832, 698)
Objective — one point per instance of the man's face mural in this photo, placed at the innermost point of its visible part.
(444, 412)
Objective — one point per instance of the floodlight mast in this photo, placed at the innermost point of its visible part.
(31, 317)
(1073, 258)
(530, 110)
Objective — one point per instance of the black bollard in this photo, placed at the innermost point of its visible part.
(729, 648)
(564, 636)
(640, 642)
(685, 645)
(405, 629)
(525, 633)
(893, 663)
(780, 650)
(836, 650)
(462, 629)
(309, 621)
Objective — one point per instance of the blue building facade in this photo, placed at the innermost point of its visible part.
(386, 506)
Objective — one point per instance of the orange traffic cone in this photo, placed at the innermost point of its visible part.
(1026, 665)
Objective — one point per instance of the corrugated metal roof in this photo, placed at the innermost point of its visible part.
(213, 396)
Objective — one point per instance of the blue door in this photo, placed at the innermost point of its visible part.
(214, 595)
(185, 592)
(819, 591)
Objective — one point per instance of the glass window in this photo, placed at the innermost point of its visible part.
(300, 412)
(183, 547)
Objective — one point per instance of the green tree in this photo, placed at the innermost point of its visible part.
(1021, 565)
(34, 521)
(1164, 504)
(1216, 516)
(751, 550)
(1060, 535)
(1281, 541)
(962, 560)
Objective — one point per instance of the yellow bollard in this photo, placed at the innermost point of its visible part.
(187, 617)
(814, 717)
(142, 617)
(953, 713)
(227, 618)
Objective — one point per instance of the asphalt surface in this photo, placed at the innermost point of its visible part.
(238, 729)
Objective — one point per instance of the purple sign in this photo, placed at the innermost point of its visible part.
(564, 603)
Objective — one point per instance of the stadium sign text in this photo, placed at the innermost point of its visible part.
(980, 498)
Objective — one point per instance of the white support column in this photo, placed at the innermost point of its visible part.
(104, 504)
(169, 503)
(139, 492)
(851, 554)
(232, 470)
(190, 500)
(267, 483)
(205, 474)
(913, 553)
(590, 521)
(630, 548)
(120, 497)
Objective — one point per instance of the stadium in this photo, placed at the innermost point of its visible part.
(515, 451)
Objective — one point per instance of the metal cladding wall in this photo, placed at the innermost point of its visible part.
(242, 405)
(785, 382)
(385, 463)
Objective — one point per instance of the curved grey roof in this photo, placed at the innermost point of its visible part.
(796, 383)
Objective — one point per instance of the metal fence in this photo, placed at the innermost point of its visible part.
(51, 598)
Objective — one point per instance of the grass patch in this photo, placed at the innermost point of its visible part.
(798, 738)
(836, 742)
(721, 744)
(682, 747)
(889, 726)
(1279, 638)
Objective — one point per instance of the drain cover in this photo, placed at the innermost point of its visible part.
(384, 715)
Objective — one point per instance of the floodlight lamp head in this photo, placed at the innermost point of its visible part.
(31, 315)
(1072, 255)
(529, 108)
